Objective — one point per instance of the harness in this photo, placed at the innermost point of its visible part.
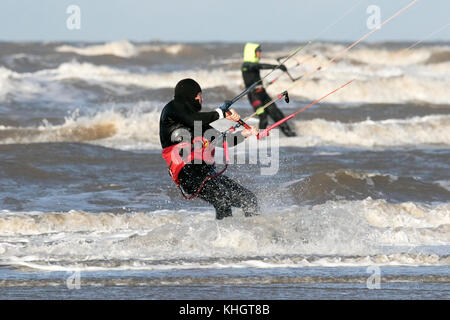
(200, 150)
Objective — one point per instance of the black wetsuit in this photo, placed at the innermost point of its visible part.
(259, 97)
(221, 192)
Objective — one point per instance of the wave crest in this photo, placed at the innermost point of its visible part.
(126, 49)
(337, 229)
(428, 130)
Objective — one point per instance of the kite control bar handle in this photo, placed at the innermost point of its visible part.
(287, 72)
(225, 108)
(240, 121)
(284, 94)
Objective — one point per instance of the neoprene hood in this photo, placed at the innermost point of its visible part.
(250, 52)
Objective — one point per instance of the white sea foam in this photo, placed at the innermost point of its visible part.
(379, 76)
(123, 49)
(433, 129)
(111, 128)
(49, 83)
(136, 129)
(343, 232)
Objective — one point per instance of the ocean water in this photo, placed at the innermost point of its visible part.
(356, 207)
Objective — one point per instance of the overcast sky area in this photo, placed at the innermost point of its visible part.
(230, 21)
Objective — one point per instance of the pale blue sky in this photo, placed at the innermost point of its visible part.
(208, 20)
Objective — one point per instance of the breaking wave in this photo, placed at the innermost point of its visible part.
(424, 83)
(401, 56)
(117, 129)
(336, 233)
(55, 84)
(428, 130)
(398, 88)
(109, 128)
(123, 49)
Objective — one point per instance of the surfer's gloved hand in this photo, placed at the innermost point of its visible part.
(222, 110)
(225, 106)
(253, 131)
(232, 115)
(282, 67)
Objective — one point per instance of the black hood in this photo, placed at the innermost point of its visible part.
(185, 92)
